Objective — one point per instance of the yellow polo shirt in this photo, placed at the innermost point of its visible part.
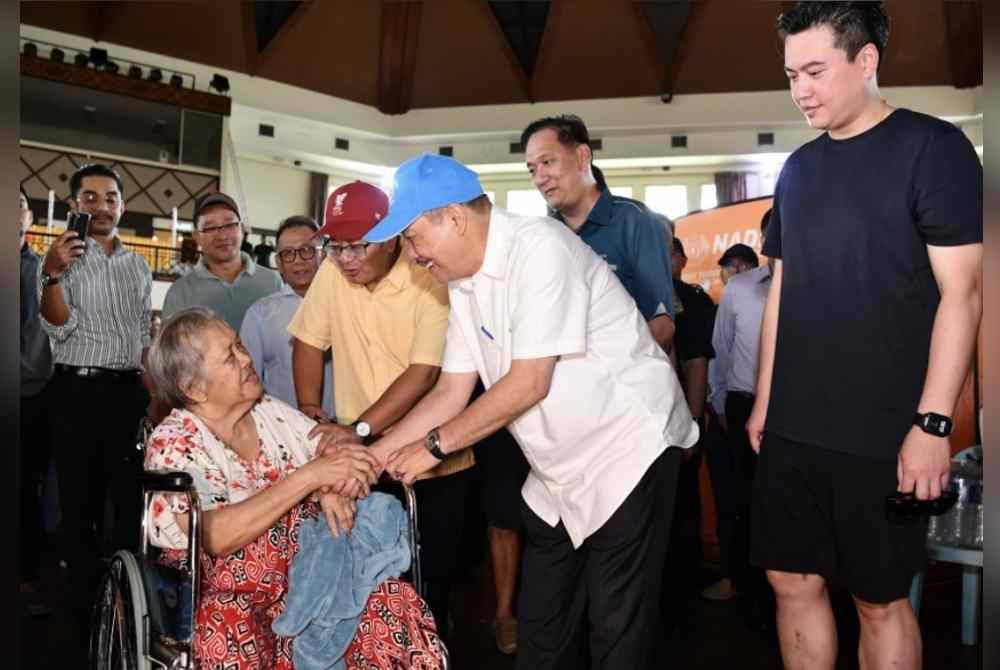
(376, 335)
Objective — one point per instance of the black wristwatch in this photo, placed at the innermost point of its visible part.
(49, 280)
(938, 425)
(433, 444)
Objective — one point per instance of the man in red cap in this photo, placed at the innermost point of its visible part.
(385, 319)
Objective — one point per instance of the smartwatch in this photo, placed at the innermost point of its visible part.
(433, 444)
(938, 425)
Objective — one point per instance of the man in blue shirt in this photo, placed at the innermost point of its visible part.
(265, 327)
(630, 237)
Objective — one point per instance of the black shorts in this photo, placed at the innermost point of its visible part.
(502, 471)
(817, 511)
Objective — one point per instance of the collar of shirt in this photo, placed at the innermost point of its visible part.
(287, 290)
(497, 249)
(117, 248)
(599, 215)
(761, 273)
(249, 267)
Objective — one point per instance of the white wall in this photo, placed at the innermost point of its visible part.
(272, 191)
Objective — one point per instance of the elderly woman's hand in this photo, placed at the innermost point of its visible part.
(349, 471)
(339, 512)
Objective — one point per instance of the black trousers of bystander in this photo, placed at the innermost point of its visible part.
(94, 426)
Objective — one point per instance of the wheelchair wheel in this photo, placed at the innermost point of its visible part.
(117, 634)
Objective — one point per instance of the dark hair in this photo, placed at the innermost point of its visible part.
(765, 221)
(24, 193)
(570, 130)
(679, 247)
(297, 221)
(94, 170)
(854, 24)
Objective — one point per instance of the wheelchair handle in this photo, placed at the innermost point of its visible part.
(173, 482)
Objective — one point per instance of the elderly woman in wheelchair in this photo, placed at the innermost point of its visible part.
(266, 492)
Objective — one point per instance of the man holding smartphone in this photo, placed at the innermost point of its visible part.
(95, 307)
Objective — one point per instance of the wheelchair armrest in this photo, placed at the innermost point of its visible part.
(166, 480)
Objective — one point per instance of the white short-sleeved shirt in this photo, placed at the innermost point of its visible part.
(614, 405)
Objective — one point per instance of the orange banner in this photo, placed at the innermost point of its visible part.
(706, 236)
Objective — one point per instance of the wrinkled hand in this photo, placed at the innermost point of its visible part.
(339, 512)
(64, 251)
(333, 435)
(351, 471)
(407, 463)
(923, 465)
(755, 426)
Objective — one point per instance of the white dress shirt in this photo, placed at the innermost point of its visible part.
(614, 404)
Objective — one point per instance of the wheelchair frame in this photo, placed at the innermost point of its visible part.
(128, 633)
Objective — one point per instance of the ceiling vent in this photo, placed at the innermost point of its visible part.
(341, 143)
(678, 141)
(265, 130)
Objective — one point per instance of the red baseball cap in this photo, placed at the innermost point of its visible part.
(352, 210)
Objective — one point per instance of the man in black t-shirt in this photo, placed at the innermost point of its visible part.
(869, 329)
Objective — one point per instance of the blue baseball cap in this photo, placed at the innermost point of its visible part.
(422, 183)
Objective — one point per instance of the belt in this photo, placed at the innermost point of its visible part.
(81, 371)
(743, 394)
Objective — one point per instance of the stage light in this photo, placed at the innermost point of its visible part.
(156, 74)
(135, 72)
(31, 49)
(57, 55)
(81, 59)
(98, 57)
(176, 81)
(219, 83)
(111, 67)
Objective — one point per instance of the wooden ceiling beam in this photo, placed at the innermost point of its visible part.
(516, 69)
(269, 53)
(672, 67)
(400, 31)
(249, 23)
(964, 25)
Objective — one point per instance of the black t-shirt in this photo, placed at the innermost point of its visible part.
(693, 325)
(851, 223)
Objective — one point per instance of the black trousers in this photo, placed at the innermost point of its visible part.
(749, 579)
(94, 425)
(680, 579)
(597, 606)
(34, 453)
(725, 491)
(441, 504)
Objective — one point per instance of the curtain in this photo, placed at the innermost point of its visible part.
(730, 187)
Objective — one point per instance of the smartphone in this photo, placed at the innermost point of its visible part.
(905, 507)
(79, 222)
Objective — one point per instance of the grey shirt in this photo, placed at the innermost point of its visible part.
(36, 352)
(736, 338)
(109, 309)
(201, 288)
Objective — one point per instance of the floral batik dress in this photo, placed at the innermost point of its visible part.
(242, 593)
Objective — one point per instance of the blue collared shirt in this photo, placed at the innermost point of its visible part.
(265, 335)
(632, 239)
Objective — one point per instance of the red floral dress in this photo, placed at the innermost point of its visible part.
(242, 593)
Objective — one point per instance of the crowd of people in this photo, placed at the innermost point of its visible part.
(557, 368)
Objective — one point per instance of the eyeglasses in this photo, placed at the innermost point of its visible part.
(224, 228)
(91, 199)
(348, 250)
(305, 253)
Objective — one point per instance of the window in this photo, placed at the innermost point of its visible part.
(708, 197)
(623, 191)
(671, 201)
(526, 202)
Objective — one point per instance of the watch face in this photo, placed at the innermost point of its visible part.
(362, 429)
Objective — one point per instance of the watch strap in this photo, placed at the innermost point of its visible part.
(932, 423)
(433, 444)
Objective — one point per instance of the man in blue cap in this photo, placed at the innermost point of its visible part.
(569, 365)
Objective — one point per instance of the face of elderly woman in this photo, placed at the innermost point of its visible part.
(229, 374)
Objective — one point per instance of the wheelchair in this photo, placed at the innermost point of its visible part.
(143, 617)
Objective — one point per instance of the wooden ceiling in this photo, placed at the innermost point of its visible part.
(398, 55)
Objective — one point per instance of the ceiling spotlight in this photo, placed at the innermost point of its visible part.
(31, 49)
(135, 72)
(57, 55)
(111, 67)
(81, 59)
(219, 83)
(175, 80)
(156, 74)
(98, 57)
